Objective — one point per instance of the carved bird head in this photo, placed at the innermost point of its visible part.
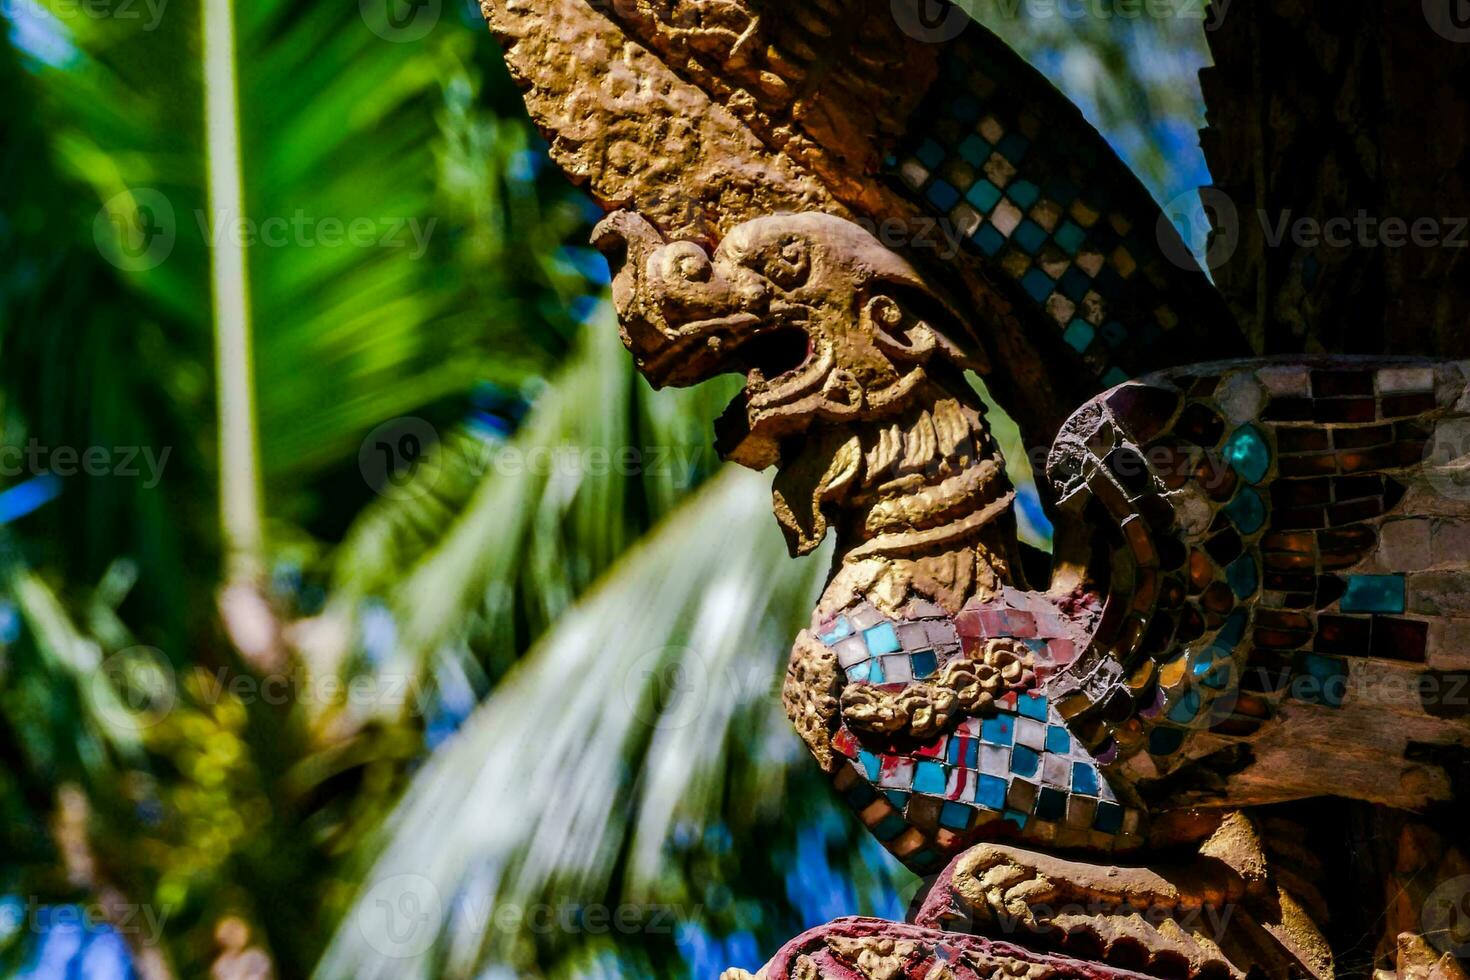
(826, 323)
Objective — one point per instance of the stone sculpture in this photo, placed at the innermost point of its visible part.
(1244, 547)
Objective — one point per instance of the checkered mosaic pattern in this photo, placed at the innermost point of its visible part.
(1259, 594)
(1029, 186)
(1015, 772)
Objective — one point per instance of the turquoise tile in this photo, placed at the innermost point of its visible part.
(974, 151)
(989, 239)
(1247, 511)
(1184, 710)
(1051, 803)
(860, 673)
(1013, 147)
(990, 792)
(1038, 284)
(984, 195)
(1079, 335)
(1084, 779)
(1374, 594)
(1114, 377)
(882, 638)
(1242, 576)
(930, 153)
(897, 797)
(964, 752)
(1030, 236)
(840, 629)
(1114, 334)
(890, 827)
(875, 672)
(871, 764)
(1016, 817)
(965, 108)
(1247, 452)
(1319, 679)
(1032, 706)
(1058, 740)
(1069, 237)
(955, 816)
(1024, 193)
(929, 778)
(1232, 631)
(925, 662)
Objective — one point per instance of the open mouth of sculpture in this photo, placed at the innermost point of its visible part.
(770, 357)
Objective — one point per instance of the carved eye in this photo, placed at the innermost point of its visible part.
(788, 265)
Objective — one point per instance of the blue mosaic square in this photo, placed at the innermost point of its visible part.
(1079, 333)
(955, 816)
(989, 239)
(984, 195)
(999, 730)
(964, 752)
(1232, 631)
(1319, 679)
(1184, 710)
(889, 827)
(859, 673)
(990, 792)
(1075, 283)
(871, 764)
(1242, 576)
(1109, 817)
(1030, 236)
(929, 777)
(1024, 193)
(875, 672)
(926, 662)
(1051, 804)
(1038, 285)
(1084, 779)
(1032, 706)
(897, 797)
(1013, 147)
(974, 150)
(840, 628)
(943, 195)
(930, 153)
(1058, 740)
(1374, 594)
(1247, 511)
(1114, 377)
(882, 638)
(859, 795)
(1069, 237)
(1016, 817)
(1024, 761)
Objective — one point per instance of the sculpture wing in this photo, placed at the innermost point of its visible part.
(932, 134)
(1272, 608)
